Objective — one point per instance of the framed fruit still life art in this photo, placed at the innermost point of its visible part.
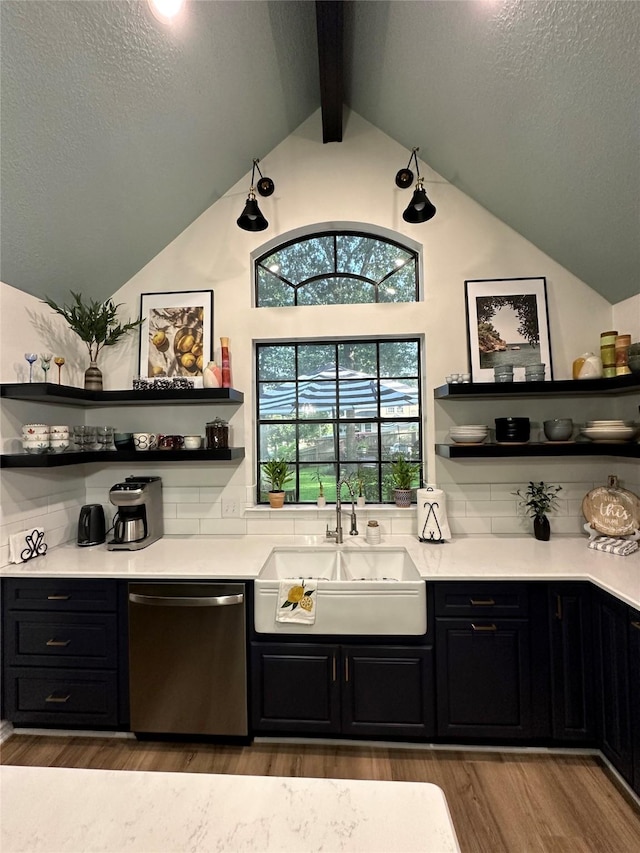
(176, 334)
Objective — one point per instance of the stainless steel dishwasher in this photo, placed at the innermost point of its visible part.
(187, 658)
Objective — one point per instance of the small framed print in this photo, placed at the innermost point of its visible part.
(507, 323)
(176, 334)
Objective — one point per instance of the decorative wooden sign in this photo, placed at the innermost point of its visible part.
(612, 510)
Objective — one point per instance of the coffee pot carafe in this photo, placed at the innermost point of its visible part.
(138, 520)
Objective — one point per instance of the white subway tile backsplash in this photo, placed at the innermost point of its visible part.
(223, 526)
(268, 526)
(491, 508)
(181, 495)
(181, 526)
(199, 510)
(470, 526)
(405, 526)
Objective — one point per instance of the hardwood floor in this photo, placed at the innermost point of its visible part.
(499, 802)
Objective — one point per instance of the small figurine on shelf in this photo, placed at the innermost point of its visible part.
(226, 362)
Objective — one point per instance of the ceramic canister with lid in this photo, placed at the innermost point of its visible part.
(217, 432)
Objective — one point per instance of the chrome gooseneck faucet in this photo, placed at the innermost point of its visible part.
(337, 534)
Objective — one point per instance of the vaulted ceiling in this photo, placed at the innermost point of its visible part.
(118, 131)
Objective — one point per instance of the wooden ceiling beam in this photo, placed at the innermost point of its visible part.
(330, 28)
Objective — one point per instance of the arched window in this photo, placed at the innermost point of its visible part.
(336, 267)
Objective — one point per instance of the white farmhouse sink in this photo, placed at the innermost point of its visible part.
(375, 591)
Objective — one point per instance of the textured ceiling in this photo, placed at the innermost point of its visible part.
(117, 132)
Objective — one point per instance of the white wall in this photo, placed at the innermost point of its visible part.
(350, 182)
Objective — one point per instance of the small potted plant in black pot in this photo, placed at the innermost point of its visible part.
(537, 501)
(403, 474)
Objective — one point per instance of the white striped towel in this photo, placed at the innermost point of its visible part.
(297, 601)
(27, 544)
(621, 547)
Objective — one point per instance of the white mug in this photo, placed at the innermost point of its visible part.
(144, 440)
(192, 442)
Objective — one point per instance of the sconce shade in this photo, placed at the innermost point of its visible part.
(251, 219)
(265, 186)
(420, 208)
(404, 178)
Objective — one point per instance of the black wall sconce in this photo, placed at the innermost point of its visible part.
(420, 208)
(251, 219)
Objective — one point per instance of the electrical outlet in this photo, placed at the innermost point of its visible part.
(231, 508)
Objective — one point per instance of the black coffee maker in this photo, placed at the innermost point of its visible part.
(91, 525)
(138, 520)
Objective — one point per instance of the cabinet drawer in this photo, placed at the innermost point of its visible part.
(60, 696)
(58, 595)
(482, 599)
(63, 639)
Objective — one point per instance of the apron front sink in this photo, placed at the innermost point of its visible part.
(360, 591)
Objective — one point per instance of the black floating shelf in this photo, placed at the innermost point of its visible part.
(488, 451)
(561, 388)
(55, 460)
(47, 392)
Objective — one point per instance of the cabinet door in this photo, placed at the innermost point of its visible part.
(387, 691)
(634, 662)
(572, 712)
(612, 683)
(483, 681)
(295, 687)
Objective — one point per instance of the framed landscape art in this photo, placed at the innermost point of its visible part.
(507, 323)
(176, 334)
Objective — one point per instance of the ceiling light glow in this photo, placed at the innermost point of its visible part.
(166, 10)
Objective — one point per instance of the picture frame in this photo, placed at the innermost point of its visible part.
(507, 323)
(176, 334)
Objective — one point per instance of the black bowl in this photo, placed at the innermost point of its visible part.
(512, 429)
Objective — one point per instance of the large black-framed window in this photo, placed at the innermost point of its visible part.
(338, 408)
(336, 267)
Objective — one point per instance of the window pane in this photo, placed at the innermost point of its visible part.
(274, 293)
(316, 358)
(336, 291)
(317, 442)
(399, 358)
(353, 423)
(277, 441)
(400, 439)
(276, 363)
(360, 357)
(337, 268)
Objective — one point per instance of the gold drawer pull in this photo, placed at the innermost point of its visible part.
(59, 699)
(58, 597)
(636, 625)
(483, 627)
(481, 602)
(333, 672)
(53, 642)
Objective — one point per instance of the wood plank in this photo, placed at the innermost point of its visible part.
(329, 24)
(499, 802)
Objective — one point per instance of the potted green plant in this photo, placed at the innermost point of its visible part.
(403, 474)
(96, 324)
(537, 500)
(277, 473)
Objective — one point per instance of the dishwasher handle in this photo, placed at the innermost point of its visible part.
(186, 601)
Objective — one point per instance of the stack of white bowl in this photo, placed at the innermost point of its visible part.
(35, 438)
(611, 430)
(469, 433)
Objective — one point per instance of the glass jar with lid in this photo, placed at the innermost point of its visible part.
(217, 432)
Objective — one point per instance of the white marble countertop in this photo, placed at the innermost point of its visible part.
(241, 557)
(67, 810)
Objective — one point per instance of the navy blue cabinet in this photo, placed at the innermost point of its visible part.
(634, 682)
(61, 653)
(571, 663)
(383, 691)
(613, 682)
